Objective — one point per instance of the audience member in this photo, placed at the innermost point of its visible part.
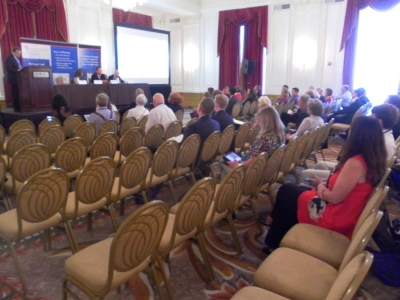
(59, 108)
(131, 105)
(345, 115)
(232, 100)
(284, 96)
(139, 111)
(225, 90)
(99, 75)
(344, 95)
(321, 95)
(328, 95)
(217, 92)
(250, 96)
(257, 91)
(115, 76)
(395, 101)
(311, 93)
(338, 201)
(240, 94)
(211, 91)
(224, 119)
(314, 109)
(295, 95)
(175, 100)
(160, 114)
(102, 113)
(299, 115)
(263, 101)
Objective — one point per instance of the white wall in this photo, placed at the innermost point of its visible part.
(303, 41)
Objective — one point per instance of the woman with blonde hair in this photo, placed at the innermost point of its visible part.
(263, 101)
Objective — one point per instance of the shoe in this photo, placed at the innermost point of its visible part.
(263, 220)
(267, 250)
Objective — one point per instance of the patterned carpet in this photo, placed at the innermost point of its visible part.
(44, 270)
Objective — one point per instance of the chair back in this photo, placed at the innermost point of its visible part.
(253, 134)
(320, 138)
(236, 109)
(164, 159)
(19, 140)
(87, 131)
(138, 237)
(105, 145)
(174, 129)
(246, 108)
(270, 172)
(191, 121)
(372, 206)
(109, 126)
(134, 169)
(21, 125)
(179, 115)
(387, 172)
(327, 130)
(301, 145)
(193, 209)
(52, 137)
(131, 141)
(71, 124)
(210, 147)
(154, 136)
(253, 176)
(226, 139)
(46, 123)
(253, 108)
(188, 151)
(360, 240)
(241, 136)
(362, 111)
(309, 146)
(42, 195)
(350, 279)
(127, 123)
(71, 154)
(2, 138)
(3, 170)
(117, 116)
(95, 181)
(290, 150)
(142, 123)
(125, 115)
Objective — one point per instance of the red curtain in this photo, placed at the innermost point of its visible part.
(255, 20)
(131, 18)
(19, 18)
(350, 29)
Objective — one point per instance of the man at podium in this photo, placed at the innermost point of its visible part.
(13, 66)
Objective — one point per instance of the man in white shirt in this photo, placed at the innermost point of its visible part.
(160, 114)
(345, 95)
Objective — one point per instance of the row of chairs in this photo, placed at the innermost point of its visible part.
(240, 111)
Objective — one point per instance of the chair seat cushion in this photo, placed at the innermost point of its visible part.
(8, 185)
(295, 275)
(324, 244)
(73, 174)
(124, 191)
(256, 293)
(83, 208)
(90, 267)
(340, 126)
(9, 225)
(155, 179)
(181, 171)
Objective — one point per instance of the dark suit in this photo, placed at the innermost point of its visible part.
(12, 68)
(223, 119)
(112, 77)
(345, 116)
(95, 76)
(204, 126)
(296, 118)
(232, 101)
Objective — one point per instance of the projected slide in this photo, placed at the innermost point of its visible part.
(142, 55)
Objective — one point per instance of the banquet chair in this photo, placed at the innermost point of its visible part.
(252, 136)
(117, 116)
(251, 185)
(187, 220)
(325, 138)
(39, 205)
(46, 123)
(3, 199)
(52, 137)
(129, 142)
(142, 123)
(163, 162)
(246, 110)
(236, 110)
(17, 141)
(174, 129)
(362, 111)
(71, 156)
(154, 137)
(327, 245)
(2, 139)
(71, 124)
(253, 108)
(290, 151)
(127, 124)
(87, 131)
(132, 173)
(208, 151)
(225, 142)
(23, 124)
(125, 115)
(92, 192)
(318, 141)
(191, 121)
(104, 145)
(307, 150)
(106, 265)
(301, 145)
(256, 293)
(241, 136)
(109, 126)
(179, 115)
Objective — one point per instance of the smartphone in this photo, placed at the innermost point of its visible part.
(307, 179)
(232, 156)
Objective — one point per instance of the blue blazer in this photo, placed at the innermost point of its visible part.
(223, 119)
(204, 126)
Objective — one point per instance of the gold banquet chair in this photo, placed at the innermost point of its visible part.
(190, 122)
(187, 220)
(71, 156)
(109, 126)
(308, 148)
(226, 141)
(179, 115)
(236, 110)
(208, 151)
(301, 145)
(2, 139)
(127, 124)
(104, 145)
(129, 142)
(39, 205)
(46, 123)
(3, 170)
(174, 129)
(290, 151)
(241, 136)
(154, 137)
(17, 141)
(21, 125)
(132, 174)
(92, 192)
(52, 137)
(87, 131)
(106, 265)
(142, 122)
(71, 124)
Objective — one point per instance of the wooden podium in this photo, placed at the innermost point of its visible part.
(35, 88)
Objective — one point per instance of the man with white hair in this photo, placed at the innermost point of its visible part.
(102, 113)
(160, 114)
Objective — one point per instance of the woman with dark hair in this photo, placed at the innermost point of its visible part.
(338, 201)
(175, 100)
(60, 108)
(395, 100)
(77, 76)
(250, 96)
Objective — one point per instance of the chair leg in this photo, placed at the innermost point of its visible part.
(113, 217)
(271, 196)
(165, 277)
(171, 187)
(89, 222)
(19, 269)
(193, 179)
(253, 208)
(71, 238)
(122, 207)
(46, 239)
(144, 195)
(234, 234)
(206, 258)
(157, 281)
